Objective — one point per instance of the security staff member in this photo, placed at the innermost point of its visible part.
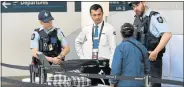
(49, 40)
(130, 59)
(152, 31)
(98, 37)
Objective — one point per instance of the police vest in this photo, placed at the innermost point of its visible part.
(143, 34)
(49, 43)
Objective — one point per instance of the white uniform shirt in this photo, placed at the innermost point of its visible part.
(83, 42)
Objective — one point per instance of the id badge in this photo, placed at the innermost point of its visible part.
(50, 47)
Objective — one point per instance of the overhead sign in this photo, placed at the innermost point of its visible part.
(33, 6)
(119, 6)
(77, 6)
(113, 6)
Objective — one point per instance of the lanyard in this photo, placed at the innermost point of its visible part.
(99, 34)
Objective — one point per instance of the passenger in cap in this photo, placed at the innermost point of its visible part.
(130, 59)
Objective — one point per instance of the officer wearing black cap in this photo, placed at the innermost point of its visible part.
(49, 40)
(152, 31)
(130, 59)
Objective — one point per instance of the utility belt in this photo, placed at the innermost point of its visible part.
(152, 43)
(149, 41)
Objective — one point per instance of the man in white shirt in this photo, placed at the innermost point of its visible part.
(98, 37)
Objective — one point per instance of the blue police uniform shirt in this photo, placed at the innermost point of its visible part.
(158, 24)
(127, 61)
(36, 37)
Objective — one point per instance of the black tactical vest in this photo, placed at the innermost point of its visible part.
(49, 43)
(143, 34)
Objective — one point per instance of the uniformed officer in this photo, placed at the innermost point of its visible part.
(152, 31)
(49, 40)
(130, 59)
(98, 39)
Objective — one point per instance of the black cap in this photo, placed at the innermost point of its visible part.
(133, 2)
(127, 29)
(45, 16)
(127, 26)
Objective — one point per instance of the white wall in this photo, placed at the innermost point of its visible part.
(16, 33)
(173, 60)
(165, 5)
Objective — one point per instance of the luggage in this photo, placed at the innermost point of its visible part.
(80, 66)
(59, 80)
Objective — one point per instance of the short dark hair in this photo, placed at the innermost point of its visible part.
(95, 7)
(127, 30)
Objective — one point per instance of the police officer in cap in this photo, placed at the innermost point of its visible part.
(152, 31)
(49, 40)
(130, 59)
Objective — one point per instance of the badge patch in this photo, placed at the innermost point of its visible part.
(160, 19)
(114, 32)
(45, 14)
(50, 47)
(33, 36)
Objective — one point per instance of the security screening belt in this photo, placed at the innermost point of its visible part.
(139, 78)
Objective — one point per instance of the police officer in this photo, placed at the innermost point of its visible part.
(49, 40)
(130, 59)
(98, 39)
(152, 31)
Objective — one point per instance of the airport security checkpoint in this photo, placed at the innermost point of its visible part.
(91, 44)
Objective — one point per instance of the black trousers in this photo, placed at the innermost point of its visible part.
(96, 70)
(156, 70)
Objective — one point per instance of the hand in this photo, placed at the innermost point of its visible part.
(153, 55)
(56, 60)
(112, 85)
(59, 59)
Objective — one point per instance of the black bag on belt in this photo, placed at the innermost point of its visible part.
(78, 63)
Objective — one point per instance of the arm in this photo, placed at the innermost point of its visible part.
(162, 29)
(112, 43)
(163, 42)
(34, 46)
(112, 85)
(79, 41)
(116, 64)
(66, 50)
(34, 51)
(64, 44)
